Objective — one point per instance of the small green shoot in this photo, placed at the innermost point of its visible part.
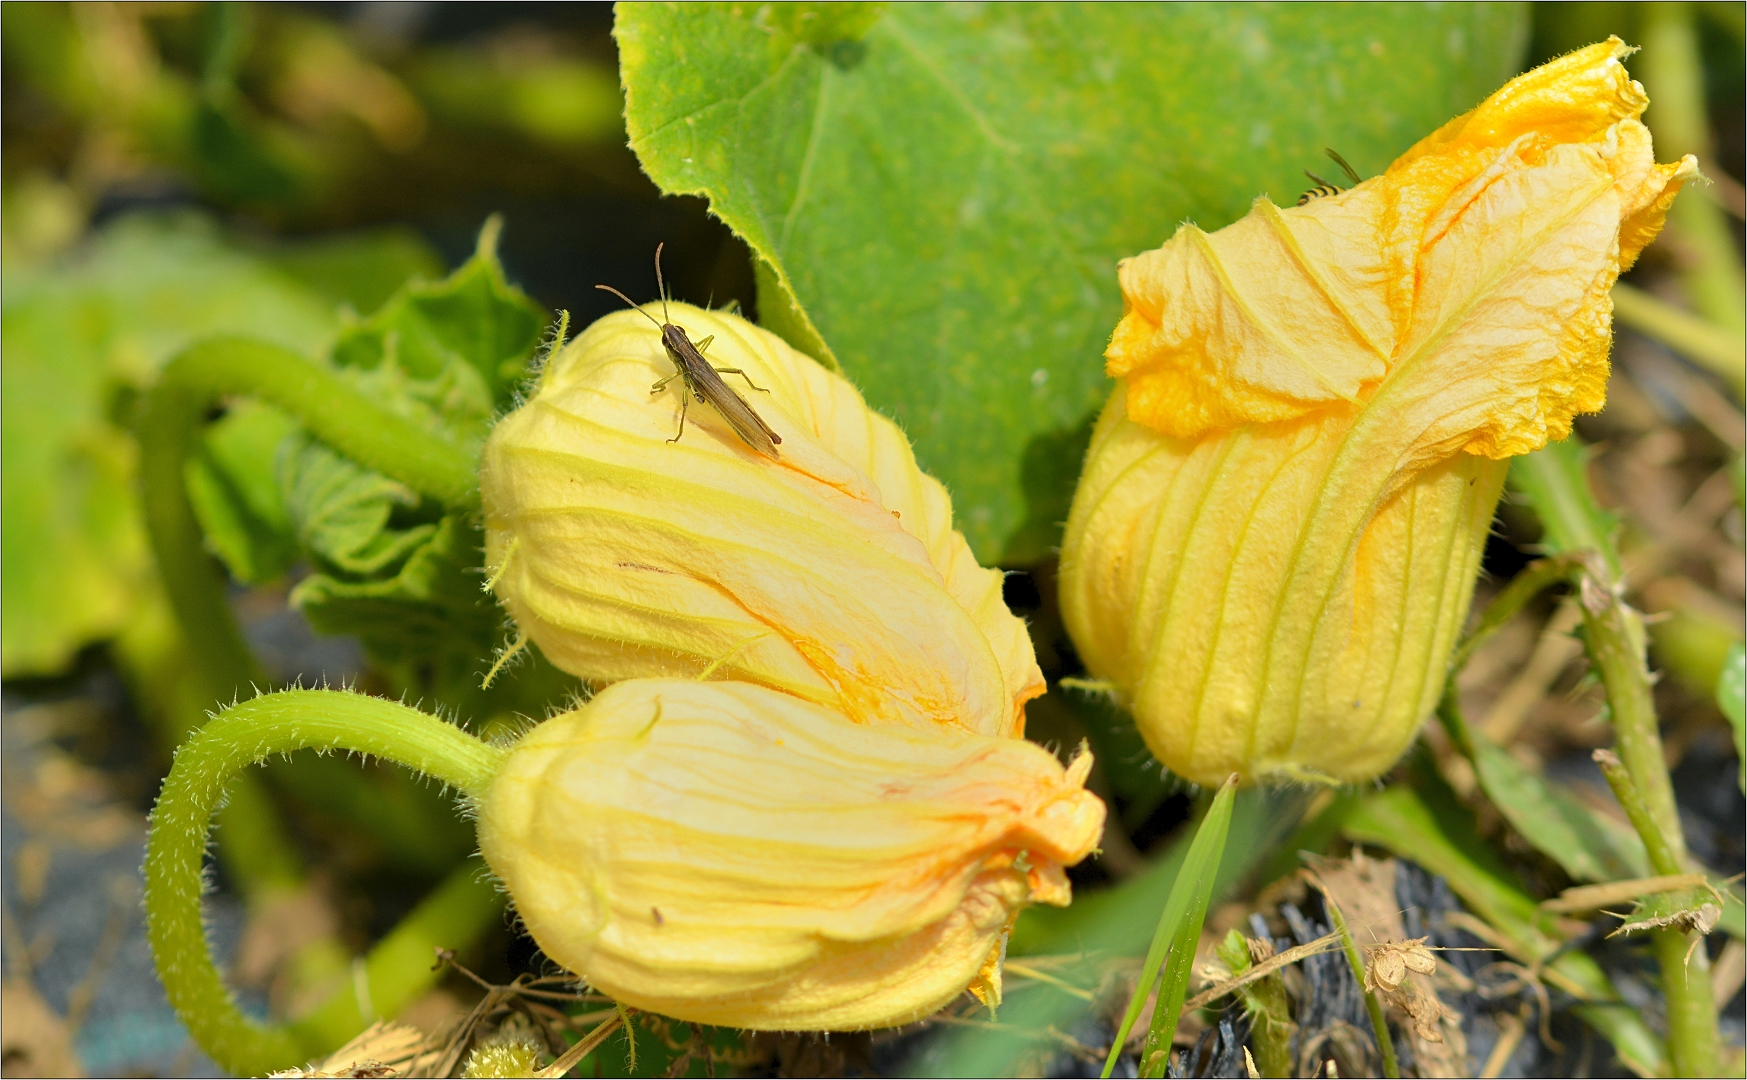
(1173, 945)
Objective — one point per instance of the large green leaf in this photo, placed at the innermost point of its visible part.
(945, 189)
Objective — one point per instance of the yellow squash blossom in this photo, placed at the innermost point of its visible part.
(1277, 533)
(724, 853)
(831, 572)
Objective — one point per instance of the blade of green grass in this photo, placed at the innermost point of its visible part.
(1179, 930)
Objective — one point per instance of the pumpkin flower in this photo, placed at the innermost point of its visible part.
(831, 572)
(723, 853)
(1276, 536)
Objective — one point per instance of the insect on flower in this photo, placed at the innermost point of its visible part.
(1323, 187)
(702, 379)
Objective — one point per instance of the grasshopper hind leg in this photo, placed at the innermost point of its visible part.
(743, 375)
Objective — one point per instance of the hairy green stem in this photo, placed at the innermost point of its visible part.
(1265, 1004)
(1693, 1046)
(332, 411)
(1663, 860)
(248, 733)
(169, 428)
(1613, 636)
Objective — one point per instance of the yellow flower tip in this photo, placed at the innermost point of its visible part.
(727, 854)
(1476, 267)
(832, 572)
(1276, 535)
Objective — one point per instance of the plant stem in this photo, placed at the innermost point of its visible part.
(1613, 636)
(242, 735)
(1530, 582)
(1662, 858)
(331, 410)
(169, 427)
(1379, 1023)
(1266, 1005)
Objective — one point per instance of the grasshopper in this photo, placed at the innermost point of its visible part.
(702, 379)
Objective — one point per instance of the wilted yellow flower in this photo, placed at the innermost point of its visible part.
(1277, 533)
(724, 853)
(832, 572)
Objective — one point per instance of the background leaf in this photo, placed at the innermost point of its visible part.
(1590, 846)
(1731, 689)
(940, 193)
(234, 488)
(81, 335)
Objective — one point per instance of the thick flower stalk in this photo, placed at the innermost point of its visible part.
(725, 853)
(1277, 533)
(832, 572)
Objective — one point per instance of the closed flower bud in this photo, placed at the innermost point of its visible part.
(723, 853)
(1275, 540)
(831, 572)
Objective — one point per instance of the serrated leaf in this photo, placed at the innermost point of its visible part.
(462, 345)
(341, 512)
(391, 571)
(234, 487)
(940, 193)
(426, 619)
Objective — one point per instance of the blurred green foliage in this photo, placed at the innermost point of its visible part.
(83, 333)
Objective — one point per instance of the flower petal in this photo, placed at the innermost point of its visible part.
(833, 572)
(725, 853)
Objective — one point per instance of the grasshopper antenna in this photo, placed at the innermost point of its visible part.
(659, 283)
(633, 305)
(1352, 174)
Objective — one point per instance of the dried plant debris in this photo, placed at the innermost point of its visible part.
(381, 1050)
(1388, 964)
